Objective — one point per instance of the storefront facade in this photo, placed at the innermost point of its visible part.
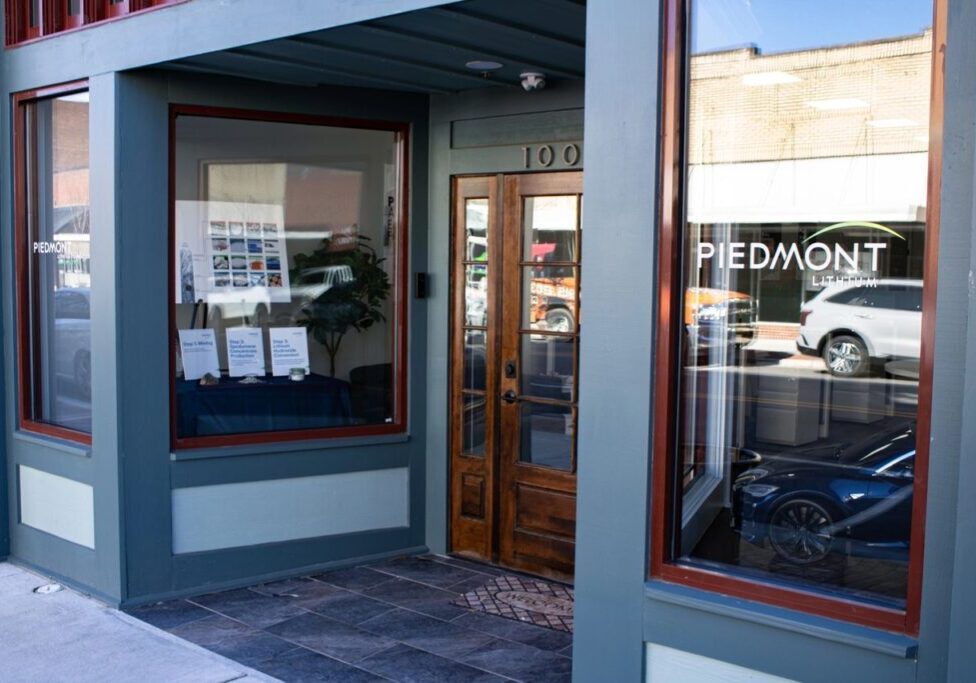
(348, 201)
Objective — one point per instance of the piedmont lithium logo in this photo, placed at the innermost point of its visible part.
(50, 248)
(805, 255)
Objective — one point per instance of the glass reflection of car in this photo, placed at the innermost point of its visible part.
(476, 296)
(855, 327)
(855, 498)
(312, 283)
(72, 338)
(719, 318)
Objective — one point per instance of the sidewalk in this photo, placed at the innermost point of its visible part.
(65, 636)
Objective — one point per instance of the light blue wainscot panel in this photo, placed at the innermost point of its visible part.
(668, 664)
(57, 505)
(256, 512)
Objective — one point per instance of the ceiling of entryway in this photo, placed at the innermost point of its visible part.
(423, 51)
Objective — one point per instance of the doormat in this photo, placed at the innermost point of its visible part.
(530, 600)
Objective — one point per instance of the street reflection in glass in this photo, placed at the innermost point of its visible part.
(547, 435)
(804, 240)
(59, 264)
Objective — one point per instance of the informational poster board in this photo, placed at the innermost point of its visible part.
(289, 349)
(245, 351)
(231, 252)
(198, 351)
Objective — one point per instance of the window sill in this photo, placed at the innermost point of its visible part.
(287, 447)
(54, 443)
(883, 642)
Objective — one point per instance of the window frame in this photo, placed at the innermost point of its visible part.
(401, 281)
(673, 97)
(26, 372)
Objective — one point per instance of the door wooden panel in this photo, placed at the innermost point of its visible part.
(523, 260)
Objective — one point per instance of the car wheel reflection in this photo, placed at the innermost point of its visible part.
(799, 531)
(846, 356)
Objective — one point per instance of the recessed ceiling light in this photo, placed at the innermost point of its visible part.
(891, 123)
(769, 78)
(483, 65)
(839, 103)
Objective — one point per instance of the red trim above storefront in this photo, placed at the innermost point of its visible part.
(55, 20)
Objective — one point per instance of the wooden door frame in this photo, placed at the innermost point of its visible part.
(474, 535)
(483, 538)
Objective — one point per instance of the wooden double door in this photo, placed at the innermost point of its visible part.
(515, 349)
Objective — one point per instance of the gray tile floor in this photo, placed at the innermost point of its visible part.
(391, 620)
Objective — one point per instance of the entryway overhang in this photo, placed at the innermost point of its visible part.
(450, 48)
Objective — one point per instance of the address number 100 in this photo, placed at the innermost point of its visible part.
(545, 155)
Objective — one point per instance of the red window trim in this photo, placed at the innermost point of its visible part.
(666, 363)
(25, 373)
(55, 19)
(399, 424)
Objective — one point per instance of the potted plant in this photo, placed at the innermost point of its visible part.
(353, 296)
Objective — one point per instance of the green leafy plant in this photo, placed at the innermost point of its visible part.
(350, 303)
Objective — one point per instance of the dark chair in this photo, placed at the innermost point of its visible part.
(371, 393)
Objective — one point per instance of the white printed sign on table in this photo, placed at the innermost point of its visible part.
(245, 351)
(289, 349)
(198, 350)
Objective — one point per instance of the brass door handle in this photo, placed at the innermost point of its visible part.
(511, 397)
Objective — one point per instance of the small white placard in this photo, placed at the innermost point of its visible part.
(199, 353)
(289, 349)
(245, 351)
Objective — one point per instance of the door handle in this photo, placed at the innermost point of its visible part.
(866, 316)
(510, 397)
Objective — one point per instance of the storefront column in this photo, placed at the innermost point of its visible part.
(104, 187)
(616, 358)
(949, 606)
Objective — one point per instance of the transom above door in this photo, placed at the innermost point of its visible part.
(515, 349)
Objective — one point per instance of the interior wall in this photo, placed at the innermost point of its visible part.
(158, 481)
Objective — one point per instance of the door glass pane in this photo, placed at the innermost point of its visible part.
(476, 295)
(476, 229)
(549, 298)
(548, 365)
(806, 167)
(473, 425)
(475, 358)
(546, 435)
(550, 225)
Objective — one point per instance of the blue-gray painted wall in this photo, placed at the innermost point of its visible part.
(616, 349)
(617, 610)
(149, 472)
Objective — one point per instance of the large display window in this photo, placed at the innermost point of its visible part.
(53, 252)
(791, 454)
(287, 277)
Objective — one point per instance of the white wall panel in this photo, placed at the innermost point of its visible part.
(56, 505)
(667, 665)
(250, 513)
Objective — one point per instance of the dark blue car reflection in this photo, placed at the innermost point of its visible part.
(853, 499)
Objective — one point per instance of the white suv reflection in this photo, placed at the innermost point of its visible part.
(852, 324)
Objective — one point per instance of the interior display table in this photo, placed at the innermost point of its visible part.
(276, 404)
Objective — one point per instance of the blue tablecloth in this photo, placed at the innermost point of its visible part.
(277, 404)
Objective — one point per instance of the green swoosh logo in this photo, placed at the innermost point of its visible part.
(853, 224)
